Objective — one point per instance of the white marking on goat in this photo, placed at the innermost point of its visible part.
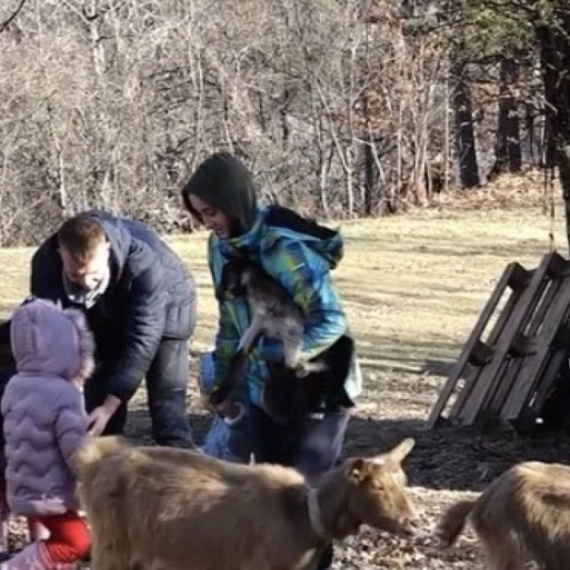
(315, 514)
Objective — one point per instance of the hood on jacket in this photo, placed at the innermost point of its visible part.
(274, 223)
(224, 182)
(46, 339)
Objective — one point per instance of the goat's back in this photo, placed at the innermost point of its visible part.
(531, 500)
(184, 510)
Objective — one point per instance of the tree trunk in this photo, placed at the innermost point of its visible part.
(464, 135)
(508, 147)
(370, 178)
(555, 61)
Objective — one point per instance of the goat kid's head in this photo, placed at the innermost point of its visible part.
(378, 494)
(233, 272)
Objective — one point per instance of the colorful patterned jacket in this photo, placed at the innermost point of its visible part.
(299, 254)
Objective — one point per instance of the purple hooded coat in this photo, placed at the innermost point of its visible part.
(44, 415)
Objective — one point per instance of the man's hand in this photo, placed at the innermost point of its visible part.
(100, 416)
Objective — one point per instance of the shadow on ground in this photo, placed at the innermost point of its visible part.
(459, 459)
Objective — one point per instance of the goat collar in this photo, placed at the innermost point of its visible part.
(315, 514)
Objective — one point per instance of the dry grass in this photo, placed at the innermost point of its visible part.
(412, 287)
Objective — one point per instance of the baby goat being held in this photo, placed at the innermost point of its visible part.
(273, 314)
(523, 515)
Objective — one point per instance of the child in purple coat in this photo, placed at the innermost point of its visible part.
(44, 424)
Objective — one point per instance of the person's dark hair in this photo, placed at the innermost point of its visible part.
(80, 236)
(224, 182)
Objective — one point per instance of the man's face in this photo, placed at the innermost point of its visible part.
(87, 274)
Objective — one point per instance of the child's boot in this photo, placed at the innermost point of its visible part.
(35, 556)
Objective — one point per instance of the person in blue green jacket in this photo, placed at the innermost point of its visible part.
(222, 195)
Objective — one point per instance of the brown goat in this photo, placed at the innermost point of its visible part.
(523, 515)
(158, 508)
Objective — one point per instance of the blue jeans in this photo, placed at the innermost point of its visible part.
(228, 441)
(313, 446)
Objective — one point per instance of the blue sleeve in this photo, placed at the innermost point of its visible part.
(227, 336)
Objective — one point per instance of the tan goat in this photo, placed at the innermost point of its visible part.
(523, 515)
(158, 508)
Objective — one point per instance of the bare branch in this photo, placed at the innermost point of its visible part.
(4, 25)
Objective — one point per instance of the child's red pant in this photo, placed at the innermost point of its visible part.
(69, 540)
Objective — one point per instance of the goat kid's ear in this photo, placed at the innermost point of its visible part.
(400, 452)
(358, 470)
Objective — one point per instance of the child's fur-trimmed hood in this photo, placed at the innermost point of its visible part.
(48, 339)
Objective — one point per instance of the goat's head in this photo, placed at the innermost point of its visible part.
(235, 268)
(378, 495)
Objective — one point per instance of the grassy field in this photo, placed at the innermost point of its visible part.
(412, 287)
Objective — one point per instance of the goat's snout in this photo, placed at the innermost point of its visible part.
(409, 523)
(409, 526)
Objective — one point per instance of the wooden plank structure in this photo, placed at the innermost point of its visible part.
(509, 375)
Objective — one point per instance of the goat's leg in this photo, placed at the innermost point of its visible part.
(107, 559)
(251, 334)
(292, 356)
(292, 351)
(305, 367)
(501, 550)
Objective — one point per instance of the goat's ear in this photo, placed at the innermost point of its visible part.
(399, 453)
(357, 470)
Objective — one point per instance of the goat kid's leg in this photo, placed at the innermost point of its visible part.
(292, 357)
(250, 335)
(304, 367)
(111, 554)
(107, 561)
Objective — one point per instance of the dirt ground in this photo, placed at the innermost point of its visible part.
(445, 465)
(412, 287)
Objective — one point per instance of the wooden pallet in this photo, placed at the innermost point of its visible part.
(509, 375)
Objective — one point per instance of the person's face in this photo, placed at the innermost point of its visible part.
(213, 219)
(89, 273)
